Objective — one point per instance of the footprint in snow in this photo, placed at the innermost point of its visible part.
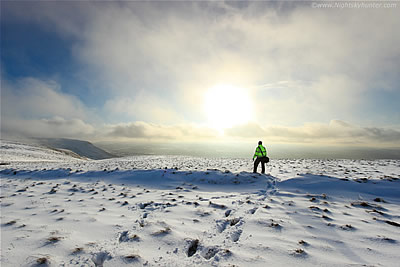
(126, 236)
(234, 221)
(192, 247)
(252, 211)
(236, 235)
(209, 252)
(100, 257)
(221, 225)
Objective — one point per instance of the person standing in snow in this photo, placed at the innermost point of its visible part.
(261, 156)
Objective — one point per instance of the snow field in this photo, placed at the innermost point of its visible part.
(87, 213)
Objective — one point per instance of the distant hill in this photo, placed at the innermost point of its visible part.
(82, 148)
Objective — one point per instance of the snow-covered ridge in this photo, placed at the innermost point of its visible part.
(18, 152)
(24, 157)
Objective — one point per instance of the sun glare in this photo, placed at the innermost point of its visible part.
(227, 106)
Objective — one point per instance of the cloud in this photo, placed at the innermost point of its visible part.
(50, 128)
(177, 58)
(150, 131)
(34, 98)
(157, 60)
(176, 51)
(35, 108)
(335, 133)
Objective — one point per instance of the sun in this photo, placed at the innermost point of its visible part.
(227, 106)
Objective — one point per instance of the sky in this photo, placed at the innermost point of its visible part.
(201, 72)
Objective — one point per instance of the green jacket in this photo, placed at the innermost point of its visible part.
(261, 151)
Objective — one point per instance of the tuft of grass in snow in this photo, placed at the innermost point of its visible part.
(52, 191)
(365, 204)
(53, 239)
(42, 261)
(376, 211)
(10, 223)
(378, 199)
(217, 206)
(77, 250)
(302, 242)
(299, 252)
(326, 218)
(347, 227)
(164, 231)
(132, 257)
(275, 225)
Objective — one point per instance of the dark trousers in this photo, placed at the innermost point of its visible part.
(263, 160)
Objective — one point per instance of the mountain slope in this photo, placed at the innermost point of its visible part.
(82, 148)
(11, 151)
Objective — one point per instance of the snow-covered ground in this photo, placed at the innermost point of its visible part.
(59, 210)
